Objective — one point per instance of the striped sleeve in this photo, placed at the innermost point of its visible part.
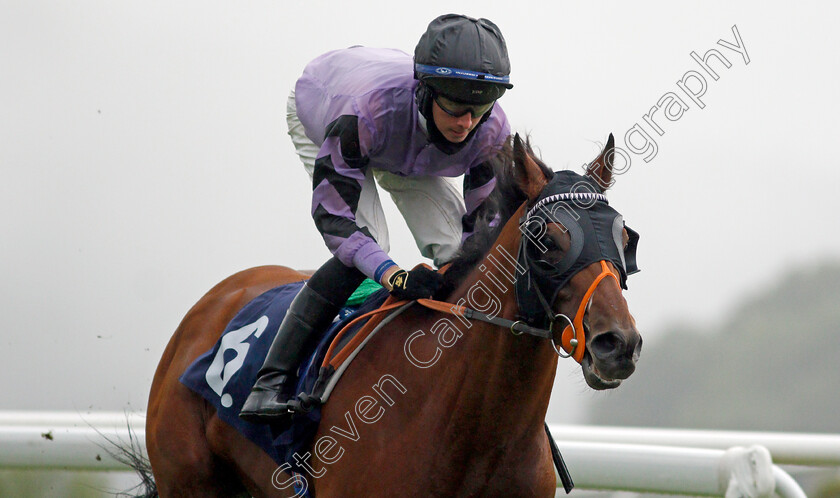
(336, 188)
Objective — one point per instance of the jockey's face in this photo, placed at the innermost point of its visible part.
(455, 128)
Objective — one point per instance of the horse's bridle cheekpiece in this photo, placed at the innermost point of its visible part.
(575, 203)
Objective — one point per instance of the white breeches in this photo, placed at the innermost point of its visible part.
(432, 206)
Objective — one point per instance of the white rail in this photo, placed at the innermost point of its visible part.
(706, 463)
(66, 440)
(736, 472)
(787, 448)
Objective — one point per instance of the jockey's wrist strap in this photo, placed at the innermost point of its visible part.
(381, 269)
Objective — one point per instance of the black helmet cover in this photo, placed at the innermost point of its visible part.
(464, 59)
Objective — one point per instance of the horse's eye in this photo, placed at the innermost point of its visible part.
(550, 244)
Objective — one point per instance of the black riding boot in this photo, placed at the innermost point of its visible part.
(308, 317)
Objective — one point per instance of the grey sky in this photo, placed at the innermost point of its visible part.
(144, 157)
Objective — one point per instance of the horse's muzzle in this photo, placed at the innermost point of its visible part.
(610, 358)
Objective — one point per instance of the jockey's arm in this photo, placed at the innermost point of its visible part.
(337, 179)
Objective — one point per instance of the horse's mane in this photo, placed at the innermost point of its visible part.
(493, 213)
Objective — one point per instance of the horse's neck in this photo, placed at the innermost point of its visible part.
(507, 375)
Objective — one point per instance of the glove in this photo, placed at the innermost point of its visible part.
(418, 283)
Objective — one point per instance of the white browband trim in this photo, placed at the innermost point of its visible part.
(588, 197)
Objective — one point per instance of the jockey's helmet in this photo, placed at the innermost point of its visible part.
(463, 59)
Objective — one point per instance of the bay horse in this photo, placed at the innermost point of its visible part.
(432, 406)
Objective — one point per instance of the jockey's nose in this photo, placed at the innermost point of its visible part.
(466, 120)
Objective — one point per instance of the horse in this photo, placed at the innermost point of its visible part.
(436, 404)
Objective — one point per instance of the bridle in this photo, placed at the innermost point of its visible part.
(574, 335)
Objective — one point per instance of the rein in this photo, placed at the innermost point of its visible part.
(572, 336)
(572, 339)
(517, 327)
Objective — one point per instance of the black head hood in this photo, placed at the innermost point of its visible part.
(595, 230)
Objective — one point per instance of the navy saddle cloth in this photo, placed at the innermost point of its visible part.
(224, 374)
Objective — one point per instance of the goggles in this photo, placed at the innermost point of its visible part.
(457, 110)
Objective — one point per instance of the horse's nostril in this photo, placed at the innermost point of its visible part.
(606, 344)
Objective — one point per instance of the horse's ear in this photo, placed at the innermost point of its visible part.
(601, 168)
(529, 176)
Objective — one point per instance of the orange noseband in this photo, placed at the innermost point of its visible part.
(573, 340)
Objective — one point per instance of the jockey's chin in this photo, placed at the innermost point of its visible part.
(455, 136)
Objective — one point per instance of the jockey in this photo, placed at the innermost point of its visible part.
(362, 116)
